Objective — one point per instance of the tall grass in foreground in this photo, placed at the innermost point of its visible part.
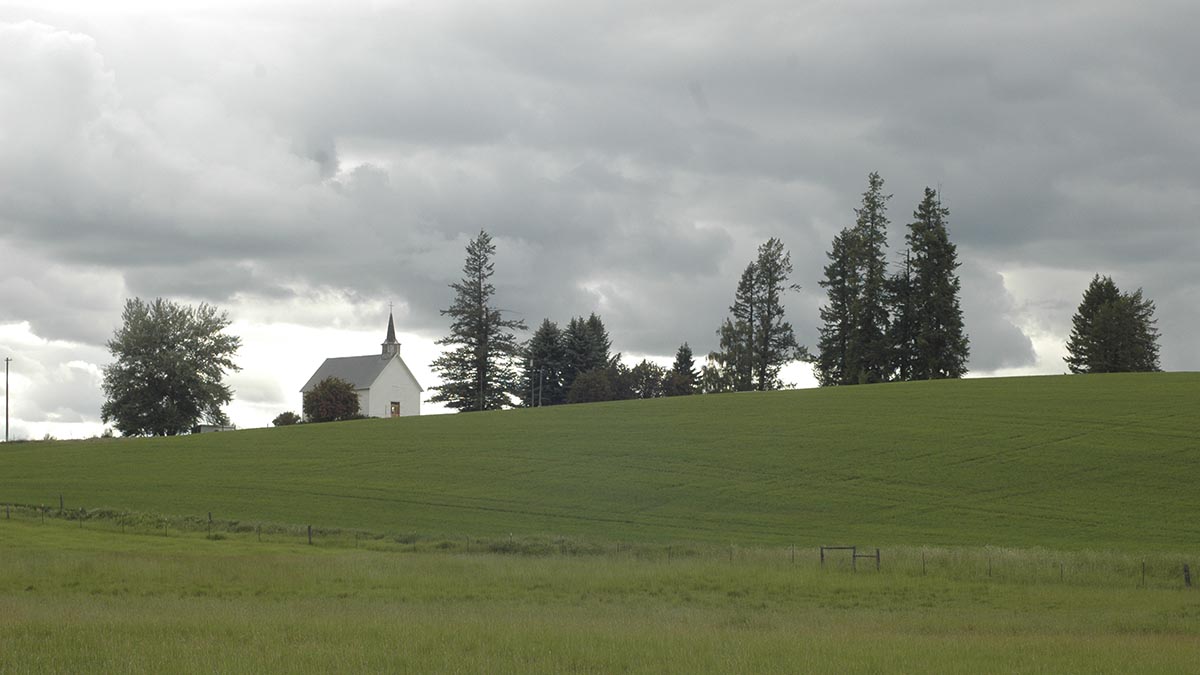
(76, 600)
(1035, 565)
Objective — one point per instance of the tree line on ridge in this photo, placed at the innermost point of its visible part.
(878, 324)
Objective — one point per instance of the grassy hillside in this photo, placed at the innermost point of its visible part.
(1062, 462)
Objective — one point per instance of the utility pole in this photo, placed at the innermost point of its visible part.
(6, 362)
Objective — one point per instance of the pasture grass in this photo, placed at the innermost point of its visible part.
(1015, 518)
(85, 600)
(1069, 462)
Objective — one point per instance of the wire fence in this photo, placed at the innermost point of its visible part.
(985, 564)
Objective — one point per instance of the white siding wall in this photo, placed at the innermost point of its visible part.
(393, 384)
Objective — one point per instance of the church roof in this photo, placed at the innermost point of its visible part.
(360, 371)
(391, 334)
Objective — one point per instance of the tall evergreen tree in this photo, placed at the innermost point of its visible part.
(585, 347)
(478, 373)
(774, 341)
(867, 353)
(756, 340)
(682, 379)
(545, 359)
(941, 344)
(1112, 331)
(737, 333)
(600, 342)
(904, 326)
(837, 322)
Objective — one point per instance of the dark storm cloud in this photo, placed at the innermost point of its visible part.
(628, 159)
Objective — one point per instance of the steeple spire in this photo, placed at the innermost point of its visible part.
(390, 346)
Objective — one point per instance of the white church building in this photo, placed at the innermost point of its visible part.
(384, 384)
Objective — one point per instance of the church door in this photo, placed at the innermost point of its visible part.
(395, 408)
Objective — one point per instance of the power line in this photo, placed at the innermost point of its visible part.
(6, 362)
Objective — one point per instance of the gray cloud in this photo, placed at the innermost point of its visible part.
(628, 159)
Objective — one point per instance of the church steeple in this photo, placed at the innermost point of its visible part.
(390, 346)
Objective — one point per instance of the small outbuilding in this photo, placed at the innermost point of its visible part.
(383, 382)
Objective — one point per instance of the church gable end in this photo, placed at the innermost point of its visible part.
(386, 387)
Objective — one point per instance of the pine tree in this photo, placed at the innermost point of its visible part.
(478, 373)
(682, 379)
(903, 332)
(1112, 331)
(599, 342)
(737, 333)
(867, 352)
(756, 340)
(545, 359)
(841, 288)
(941, 344)
(774, 341)
(585, 347)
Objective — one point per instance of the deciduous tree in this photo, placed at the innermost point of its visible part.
(592, 386)
(646, 380)
(171, 360)
(331, 400)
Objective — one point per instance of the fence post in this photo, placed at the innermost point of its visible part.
(60, 504)
(210, 522)
(1143, 574)
(1060, 571)
(1187, 576)
(793, 554)
(876, 560)
(259, 529)
(310, 535)
(42, 510)
(6, 516)
(853, 558)
(922, 563)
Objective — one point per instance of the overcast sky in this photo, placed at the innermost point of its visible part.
(304, 165)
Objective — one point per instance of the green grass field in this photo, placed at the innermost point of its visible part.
(1015, 516)
(1060, 462)
(82, 600)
